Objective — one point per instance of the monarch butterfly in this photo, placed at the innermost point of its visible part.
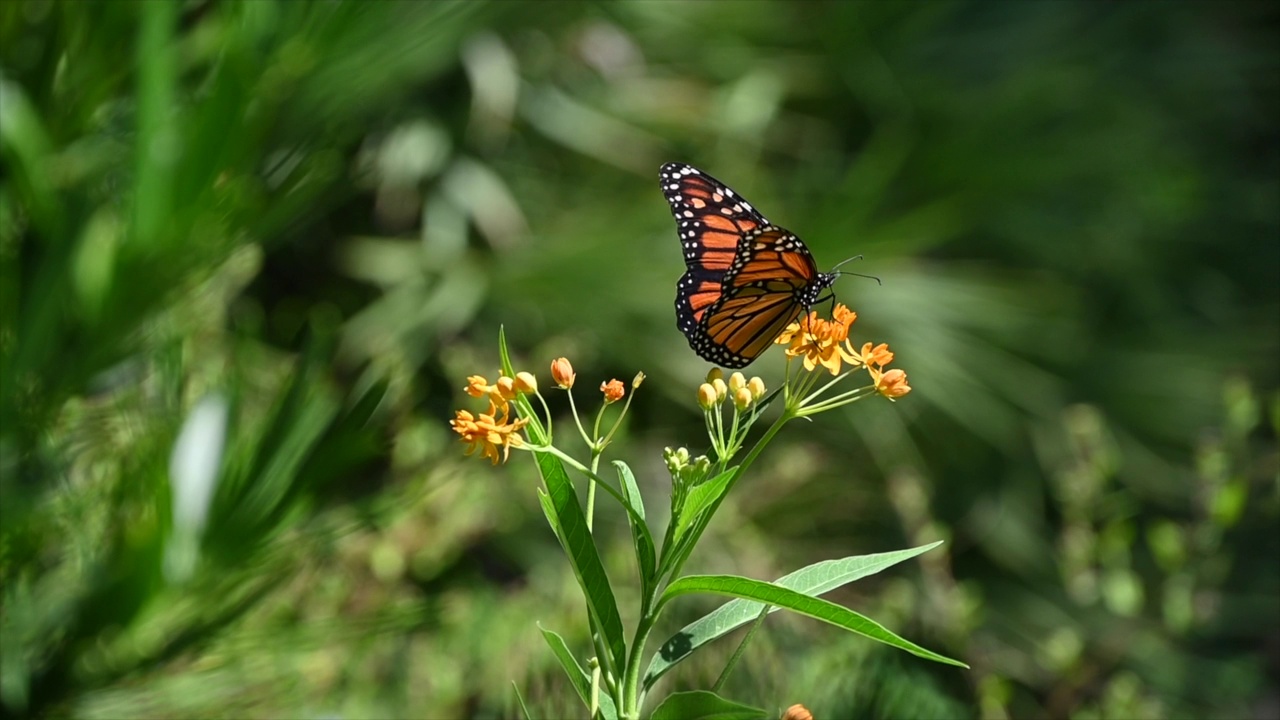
(746, 278)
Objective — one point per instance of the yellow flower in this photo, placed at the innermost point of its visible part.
(819, 341)
(756, 386)
(562, 373)
(487, 433)
(721, 389)
(477, 386)
(706, 396)
(613, 391)
(742, 398)
(891, 384)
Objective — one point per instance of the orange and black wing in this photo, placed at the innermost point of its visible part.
(770, 285)
(745, 279)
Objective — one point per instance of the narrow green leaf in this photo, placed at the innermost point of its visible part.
(580, 547)
(524, 709)
(646, 555)
(578, 677)
(700, 498)
(703, 705)
(813, 607)
(537, 432)
(815, 579)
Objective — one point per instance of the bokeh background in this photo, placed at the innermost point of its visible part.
(296, 228)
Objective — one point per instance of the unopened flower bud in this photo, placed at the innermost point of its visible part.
(506, 388)
(742, 398)
(639, 378)
(526, 383)
(737, 381)
(756, 386)
(797, 712)
(721, 389)
(706, 396)
(562, 373)
(714, 374)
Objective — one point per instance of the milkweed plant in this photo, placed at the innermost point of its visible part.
(824, 371)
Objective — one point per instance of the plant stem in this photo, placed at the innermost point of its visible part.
(741, 647)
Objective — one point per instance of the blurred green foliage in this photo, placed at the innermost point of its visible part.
(312, 217)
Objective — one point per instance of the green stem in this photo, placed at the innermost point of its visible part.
(578, 421)
(697, 530)
(591, 490)
(630, 707)
(741, 647)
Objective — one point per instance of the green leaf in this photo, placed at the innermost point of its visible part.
(813, 607)
(646, 555)
(524, 709)
(814, 579)
(578, 677)
(570, 524)
(700, 498)
(703, 705)
(537, 433)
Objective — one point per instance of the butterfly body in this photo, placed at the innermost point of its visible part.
(746, 279)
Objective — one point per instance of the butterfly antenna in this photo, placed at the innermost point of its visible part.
(869, 277)
(836, 270)
(842, 262)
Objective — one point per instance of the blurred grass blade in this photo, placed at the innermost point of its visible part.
(158, 143)
(813, 607)
(578, 677)
(524, 709)
(703, 705)
(814, 579)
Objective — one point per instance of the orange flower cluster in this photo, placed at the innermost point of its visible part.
(822, 342)
(495, 429)
(826, 343)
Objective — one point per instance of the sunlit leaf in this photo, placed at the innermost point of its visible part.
(816, 608)
(814, 579)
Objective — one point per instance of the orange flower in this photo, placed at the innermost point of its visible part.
(613, 391)
(879, 355)
(486, 434)
(891, 384)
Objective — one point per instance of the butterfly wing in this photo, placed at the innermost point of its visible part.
(773, 281)
(745, 279)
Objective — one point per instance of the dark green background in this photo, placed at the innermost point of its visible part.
(322, 212)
